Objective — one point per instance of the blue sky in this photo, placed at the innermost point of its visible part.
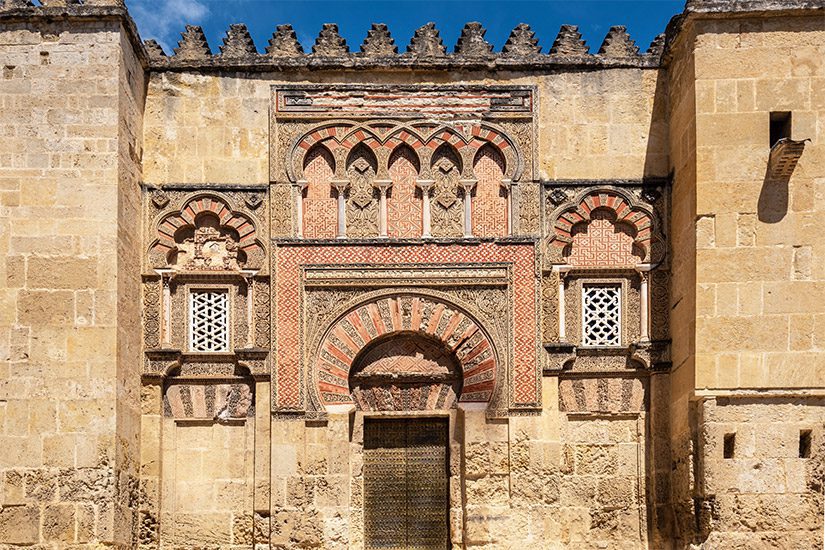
(163, 20)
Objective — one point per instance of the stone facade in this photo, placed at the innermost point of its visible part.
(600, 273)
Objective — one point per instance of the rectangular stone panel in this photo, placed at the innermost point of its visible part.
(404, 101)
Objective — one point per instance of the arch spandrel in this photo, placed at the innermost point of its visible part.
(383, 318)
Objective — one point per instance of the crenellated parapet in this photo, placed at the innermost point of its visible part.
(426, 50)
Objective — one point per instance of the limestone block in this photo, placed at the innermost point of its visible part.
(61, 272)
(59, 523)
(12, 489)
(41, 485)
(199, 529)
(596, 459)
(332, 491)
(492, 489)
(44, 308)
(19, 524)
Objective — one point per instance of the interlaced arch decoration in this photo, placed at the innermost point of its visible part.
(205, 221)
(405, 315)
(616, 205)
(383, 136)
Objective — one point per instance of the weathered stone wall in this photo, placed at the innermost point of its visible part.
(72, 94)
(767, 491)
(748, 243)
(682, 143)
(213, 128)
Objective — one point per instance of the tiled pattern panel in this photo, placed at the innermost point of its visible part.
(290, 258)
(602, 243)
(368, 322)
(489, 200)
(320, 209)
(404, 203)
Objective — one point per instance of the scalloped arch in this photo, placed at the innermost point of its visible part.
(169, 223)
(626, 209)
(347, 134)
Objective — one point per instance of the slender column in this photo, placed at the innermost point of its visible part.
(383, 186)
(644, 302)
(508, 185)
(426, 221)
(562, 270)
(341, 187)
(299, 207)
(166, 308)
(468, 208)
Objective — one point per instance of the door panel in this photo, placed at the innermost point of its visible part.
(406, 484)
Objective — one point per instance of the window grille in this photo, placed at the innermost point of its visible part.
(209, 321)
(602, 315)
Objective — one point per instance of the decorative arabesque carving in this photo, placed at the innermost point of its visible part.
(281, 210)
(193, 44)
(379, 42)
(284, 43)
(262, 313)
(529, 208)
(426, 42)
(362, 202)
(569, 42)
(618, 43)
(550, 307)
(471, 43)
(151, 313)
(209, 248)
(329, 43)
(522, 42)
(659, 305)
(238, 42)
(446, 204)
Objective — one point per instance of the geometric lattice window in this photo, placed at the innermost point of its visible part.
(601, 315)
(209, 321)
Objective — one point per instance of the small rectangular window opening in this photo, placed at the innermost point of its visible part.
(780, 126)
(805, 444)
(729, 445)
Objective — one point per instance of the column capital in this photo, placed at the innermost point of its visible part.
(382, 185)
(301, 184)
(643, 268)
(507, 183)
(467, 184)
(424, 185)
(340, 185)
(562, 269)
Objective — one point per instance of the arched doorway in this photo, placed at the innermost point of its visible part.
(406, 473)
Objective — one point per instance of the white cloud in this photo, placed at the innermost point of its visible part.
(164, 20)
